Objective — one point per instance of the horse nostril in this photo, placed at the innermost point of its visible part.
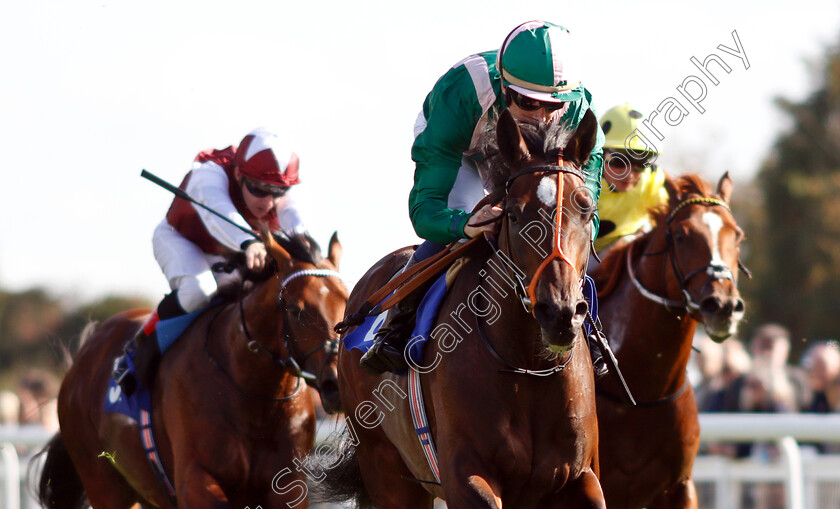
(544, 313)
(740, 306)
(710, 306)
(582, 308)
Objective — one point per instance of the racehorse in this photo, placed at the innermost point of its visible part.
(654, 291)
(506, 374)
(229, 411)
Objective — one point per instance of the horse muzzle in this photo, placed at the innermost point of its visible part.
(560, 323)
(721, 316)
(328, 389)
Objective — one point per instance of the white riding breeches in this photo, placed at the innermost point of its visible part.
(187, 268)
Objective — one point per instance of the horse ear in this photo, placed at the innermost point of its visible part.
(724, 188)
(673, 191)
(512, 146)
(579, 148)
(335, 250)
(280, 255)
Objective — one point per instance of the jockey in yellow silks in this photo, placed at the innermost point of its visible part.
(631, 184)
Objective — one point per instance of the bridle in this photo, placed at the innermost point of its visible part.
(330, 345)
(527, 293)
(714, 271)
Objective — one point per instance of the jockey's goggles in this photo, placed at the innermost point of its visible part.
(620, 158)
(262, 190)
(528, 104)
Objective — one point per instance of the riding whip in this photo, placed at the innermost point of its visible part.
(180, 193)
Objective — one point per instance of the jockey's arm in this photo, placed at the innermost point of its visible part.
(595, 166)
(209, 185)
(289, 216)
(451, 115)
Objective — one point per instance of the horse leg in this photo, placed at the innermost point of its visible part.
(197, 488)
(386, 477)
(683, 495)
(471, 488)
(583, 492)
(104, 486)
(477, 492)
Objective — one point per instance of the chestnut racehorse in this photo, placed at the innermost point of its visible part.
(508, 388)
(657, 288)
(229, 411)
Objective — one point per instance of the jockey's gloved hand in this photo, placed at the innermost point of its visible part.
(255, 254)
(488, 212)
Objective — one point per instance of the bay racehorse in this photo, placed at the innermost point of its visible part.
(506, 376)
(229, 411)
(653, 293)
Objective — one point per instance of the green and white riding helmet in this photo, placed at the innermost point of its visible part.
(538, 60)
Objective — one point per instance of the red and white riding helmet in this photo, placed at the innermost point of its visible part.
(262, 157)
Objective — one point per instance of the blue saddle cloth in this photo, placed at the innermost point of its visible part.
(362, 337)
(167, 331)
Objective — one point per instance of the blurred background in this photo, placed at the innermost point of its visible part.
(91, 92)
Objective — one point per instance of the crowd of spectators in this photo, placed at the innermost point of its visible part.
(33, 401)
(760, 377)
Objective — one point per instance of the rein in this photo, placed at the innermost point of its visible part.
(510, 368)
(716, 272)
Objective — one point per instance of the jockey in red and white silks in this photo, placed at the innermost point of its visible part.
(249, 186)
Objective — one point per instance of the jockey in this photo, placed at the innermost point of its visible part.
(248, 185)
(532, 76)
(632, 184)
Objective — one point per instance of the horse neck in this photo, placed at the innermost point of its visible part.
(653, 352)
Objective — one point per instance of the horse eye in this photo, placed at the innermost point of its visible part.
(512, 217)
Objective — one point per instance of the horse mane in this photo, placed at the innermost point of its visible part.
(301, 246)
(684, 185)
(544, 140)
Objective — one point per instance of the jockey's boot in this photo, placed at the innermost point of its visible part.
(147, 351)
(599, 364)
(387, 352)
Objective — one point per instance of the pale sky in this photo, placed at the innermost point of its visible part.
(93, 92)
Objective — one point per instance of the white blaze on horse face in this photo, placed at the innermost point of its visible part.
(547, 191)
(715, 223)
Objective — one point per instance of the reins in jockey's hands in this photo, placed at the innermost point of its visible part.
(484, 221)
(255, 254)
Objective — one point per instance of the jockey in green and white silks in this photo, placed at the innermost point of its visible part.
(533, 76)
(446, 182)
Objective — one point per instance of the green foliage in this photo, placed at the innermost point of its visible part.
(795, 239)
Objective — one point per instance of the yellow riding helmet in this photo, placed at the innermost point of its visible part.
(618, 124)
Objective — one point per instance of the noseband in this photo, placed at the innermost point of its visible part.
(714, 271)
(329, 344)
(527, 294)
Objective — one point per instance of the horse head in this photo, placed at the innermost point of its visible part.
(702, 240)
(311, 300)
(546, 227)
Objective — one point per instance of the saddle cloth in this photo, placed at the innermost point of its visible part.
(361, 338)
